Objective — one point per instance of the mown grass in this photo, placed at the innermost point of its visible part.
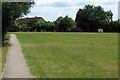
(5, 47)
(0, 60)
(71, 55)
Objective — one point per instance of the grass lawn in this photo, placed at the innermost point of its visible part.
(71, 55)
(3, 52)
(0, 61)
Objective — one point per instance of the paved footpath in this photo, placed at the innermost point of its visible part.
(15, 66)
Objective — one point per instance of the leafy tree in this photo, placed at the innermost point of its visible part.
(66, 24)
(90, 18)
(24, 28)
(49, 26)
(44, 26)
(109, 15)
(11, 11)
(57, 22)
(18, 27)
(14, 27)
(31, 24)
(112, 26)
(106, 26)
(39, 26)
(36, 26)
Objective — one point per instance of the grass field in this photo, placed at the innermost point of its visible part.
(3, 52)
(71, 55)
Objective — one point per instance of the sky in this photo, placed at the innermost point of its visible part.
(50, 10)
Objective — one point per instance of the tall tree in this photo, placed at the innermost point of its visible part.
(11, 11)
(109, 15)
(90, 18)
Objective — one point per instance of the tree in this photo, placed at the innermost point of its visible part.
(44, 26)
(19, 27)
(57, 22)
(14, 27)
(112, 26)
(31, 25)
(109, 15)
(66, 24)
(36, 26)
(11, 11)
(90, 18)
(50, 26)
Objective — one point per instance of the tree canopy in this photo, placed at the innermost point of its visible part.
(33, 26)
(11, 11)
(112, 26)
(66, 24)
(90, 18)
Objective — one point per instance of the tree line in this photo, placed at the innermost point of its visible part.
(88, 19)
(64, 25)
(33, 26)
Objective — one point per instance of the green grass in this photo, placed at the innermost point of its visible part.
(4, 53)
(5, 47)
(71, 55)
(4, 50)
(0, 61)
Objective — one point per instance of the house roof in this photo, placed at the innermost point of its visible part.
(59, 18)
(25, 20)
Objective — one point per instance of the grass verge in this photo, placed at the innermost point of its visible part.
(5, 47)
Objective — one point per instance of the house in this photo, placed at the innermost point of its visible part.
(56, 23)
(57, 27)
(26, 20)
(59, 18)
(78, 29)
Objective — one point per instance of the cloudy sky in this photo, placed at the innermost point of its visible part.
(50, 10)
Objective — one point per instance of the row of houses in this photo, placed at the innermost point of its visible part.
(26, 20)
(36, 19)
